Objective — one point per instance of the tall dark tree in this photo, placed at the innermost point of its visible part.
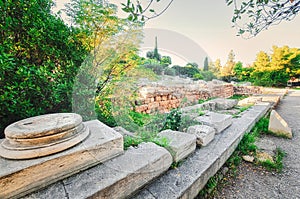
(154, 54)
(205, 66)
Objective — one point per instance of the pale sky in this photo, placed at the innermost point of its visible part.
(208, 24)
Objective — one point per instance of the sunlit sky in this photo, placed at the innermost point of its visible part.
(208, 24)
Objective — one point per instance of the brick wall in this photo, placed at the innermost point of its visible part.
(173, 93)
(247, 90)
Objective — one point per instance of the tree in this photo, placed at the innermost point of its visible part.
(277, 68)
(227, 72)
(261, 14)
(166, 60)
(242, 73)
(154, 54)
(114, 45)
(262, 62)
(193, 64)
(143, 10)
(205, 66)
(39, 56)
(216, 67)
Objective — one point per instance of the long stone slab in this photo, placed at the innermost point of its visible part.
(116, 178)
(20, 177)
(187, 180)
(180, 144)
(224, 104)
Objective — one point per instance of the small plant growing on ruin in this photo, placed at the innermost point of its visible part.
(201, 112)
(239, 97)
(173, 120)
(145, 137)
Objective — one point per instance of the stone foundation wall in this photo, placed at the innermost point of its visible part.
(170, 93)
(247, 90)
(164, 97)
(221, 90)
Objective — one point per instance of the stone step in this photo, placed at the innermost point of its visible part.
(216, 120)
(20, 177)
(205, 134)
(180, 144)
(187, 180)
(116, 178)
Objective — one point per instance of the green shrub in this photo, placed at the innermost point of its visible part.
(170, 71)
(39, 58)
(173, 120)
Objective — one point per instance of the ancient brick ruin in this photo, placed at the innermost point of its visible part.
(170, 93)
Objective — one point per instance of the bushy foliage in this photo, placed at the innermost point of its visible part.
(173, 120)
(275, 69)
(188, 71)
(156, 68)
(39, 57)
(208, 75)
(170, 71)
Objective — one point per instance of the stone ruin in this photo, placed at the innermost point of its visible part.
(174, 92)
(42, 135)
(42, 150)
(58, 155)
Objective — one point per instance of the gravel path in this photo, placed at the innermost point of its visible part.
(254, 182)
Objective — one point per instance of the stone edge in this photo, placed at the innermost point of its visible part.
(187, 180)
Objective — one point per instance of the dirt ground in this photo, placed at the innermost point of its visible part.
(257, 183)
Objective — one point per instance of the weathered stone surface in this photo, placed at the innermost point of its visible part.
(10, 151)
(224, 104)
(279, 126)
(215, 120)
(205, 134)
(264, 156)
(187, 180)
(42, 135)
(191, 109)
(273, 99)
(123, 131)
(209, 105)
(250, 101)
(248, 158)
(266, 145)
(19, 177)
(42, 125)
(180, 144)
(32, 143)
(119, 177)
(247, 89)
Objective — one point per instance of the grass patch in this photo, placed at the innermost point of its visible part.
(201, 112)
(245, 147)
(135, 141)
(175, 165)
(240, 110)
(239, 97)
(277, 164)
